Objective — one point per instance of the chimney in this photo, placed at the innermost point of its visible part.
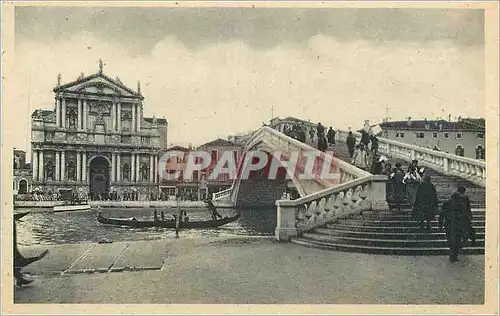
(426, 124)
(449, 117)
(409, 121)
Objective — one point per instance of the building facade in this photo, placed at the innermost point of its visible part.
(465, 137)
(22, 179)
(96, 140)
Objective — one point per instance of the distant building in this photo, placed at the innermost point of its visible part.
(464, 137)
(22, 177)
(240, 139)
(96, 139)
(217, 148)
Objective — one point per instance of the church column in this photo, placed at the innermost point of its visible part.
(78, 166)
(64, 112)
(157, 174)
(85, 114)
(58, 166)
(119, 118)
(132, 168)
(133, 117)
(139, 116)
(84, 166)
(40, 166)
(113, 167)
(58, 112)
(118, 168)
(113, 116)
(151, 169)
(35, 165)
(80, 114)
(63, 166)
(137, 167)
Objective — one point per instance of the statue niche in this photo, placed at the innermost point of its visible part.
(144, 170)
(49, 169)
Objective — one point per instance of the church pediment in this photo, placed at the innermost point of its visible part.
(98, 84)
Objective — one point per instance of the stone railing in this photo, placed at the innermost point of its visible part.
(472, 170)
(287, 144)
(329, 205)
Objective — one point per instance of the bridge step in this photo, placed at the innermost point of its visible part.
(389, 233)
(384, 243)
(384, 251)
(410, 235)
(389, 229)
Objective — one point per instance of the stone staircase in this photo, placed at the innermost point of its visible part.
(396, 232)
(388, 233)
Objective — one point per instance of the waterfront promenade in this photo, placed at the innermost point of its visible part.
(244, 270)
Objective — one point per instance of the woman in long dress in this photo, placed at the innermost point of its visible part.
(412, 180)
(359, 159)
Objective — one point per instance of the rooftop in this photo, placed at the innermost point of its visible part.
(461, 125)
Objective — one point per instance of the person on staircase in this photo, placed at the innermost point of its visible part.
(455, 218)
(396, 179)
(351, 143)
(426, 202)
(374, 148)
(331, 136)
(359, 158)
(412, 180)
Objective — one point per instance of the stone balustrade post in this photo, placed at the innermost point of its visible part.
(286, 221)
(445, 166)
(378, 196)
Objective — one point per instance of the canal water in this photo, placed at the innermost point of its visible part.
(42, 227)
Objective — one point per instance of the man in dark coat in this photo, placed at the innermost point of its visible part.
(426, 202)
(456, 217)
(374, 140)
(397, 185)
(351, 143)
(321, 130)
(331, 136)
(365, 138)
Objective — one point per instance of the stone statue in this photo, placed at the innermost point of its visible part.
(59, 79)
(139, 87)
(100, 66)
(17, 162)
(49, 170)
(144, 172)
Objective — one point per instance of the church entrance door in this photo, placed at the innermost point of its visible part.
(99, 178)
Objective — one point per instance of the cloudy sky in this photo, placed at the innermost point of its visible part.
(213, 72)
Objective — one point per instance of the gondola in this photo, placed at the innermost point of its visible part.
(132, 222)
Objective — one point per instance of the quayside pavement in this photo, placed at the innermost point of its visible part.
(244, 270)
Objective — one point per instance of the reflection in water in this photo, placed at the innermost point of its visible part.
(82, 227)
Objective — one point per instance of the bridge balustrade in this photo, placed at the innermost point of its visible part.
(469, 169)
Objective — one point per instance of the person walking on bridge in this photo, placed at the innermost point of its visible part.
(396, 179)
(351, 143)
(456, 218)
(331, 136)
(359, 159)
(412, 180)
(426, 202)
(321, 130)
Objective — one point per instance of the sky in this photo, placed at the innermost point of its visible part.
(214, 72)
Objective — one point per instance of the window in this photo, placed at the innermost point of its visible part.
(126, 139)
(480, 135)
(446, 135)
(459, 150)
(214, 156)
(195, 175)
(434, 135)
(400, 135)
(180, 159)
(459, 135)
(420, 135)
(145, 140)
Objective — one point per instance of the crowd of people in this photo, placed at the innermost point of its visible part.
(415, 188)
(316, 137)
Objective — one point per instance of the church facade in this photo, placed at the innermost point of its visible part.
(96, 140)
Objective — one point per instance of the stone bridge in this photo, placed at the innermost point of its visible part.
(352, 214)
